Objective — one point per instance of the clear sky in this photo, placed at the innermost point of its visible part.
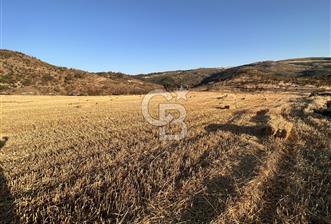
(138, 36)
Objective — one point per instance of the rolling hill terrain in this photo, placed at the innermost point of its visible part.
(182, 78)
(283, 74)
(22, 74)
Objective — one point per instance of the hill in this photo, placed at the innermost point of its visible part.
(273, 74)
(22, 74)
(175, 79)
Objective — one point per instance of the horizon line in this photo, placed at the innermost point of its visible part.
(159, 71)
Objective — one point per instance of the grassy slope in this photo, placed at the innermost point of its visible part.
(22, 74)
(303, 71)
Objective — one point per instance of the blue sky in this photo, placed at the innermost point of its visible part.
(156, 35)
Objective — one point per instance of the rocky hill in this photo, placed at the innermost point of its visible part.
(22, 74)
(274, 74)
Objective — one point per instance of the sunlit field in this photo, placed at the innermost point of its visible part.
(247, 157)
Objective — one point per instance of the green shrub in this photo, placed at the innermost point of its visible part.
(6, 78)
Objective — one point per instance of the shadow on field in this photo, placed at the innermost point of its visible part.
(7, 207)
(206, 206)
(258, 130)
(261, 117)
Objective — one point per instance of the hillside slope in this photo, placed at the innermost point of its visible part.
(22, 74)
(274, 74)
(175, 79)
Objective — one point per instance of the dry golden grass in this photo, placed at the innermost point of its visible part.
(96, 160)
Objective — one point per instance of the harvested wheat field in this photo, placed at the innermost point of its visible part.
(247, 158)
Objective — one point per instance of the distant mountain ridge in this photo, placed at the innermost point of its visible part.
(23, 74)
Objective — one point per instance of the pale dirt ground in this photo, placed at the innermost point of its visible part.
(96, 159)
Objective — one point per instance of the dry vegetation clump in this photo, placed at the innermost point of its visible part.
(172, 80)
(96, 160)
